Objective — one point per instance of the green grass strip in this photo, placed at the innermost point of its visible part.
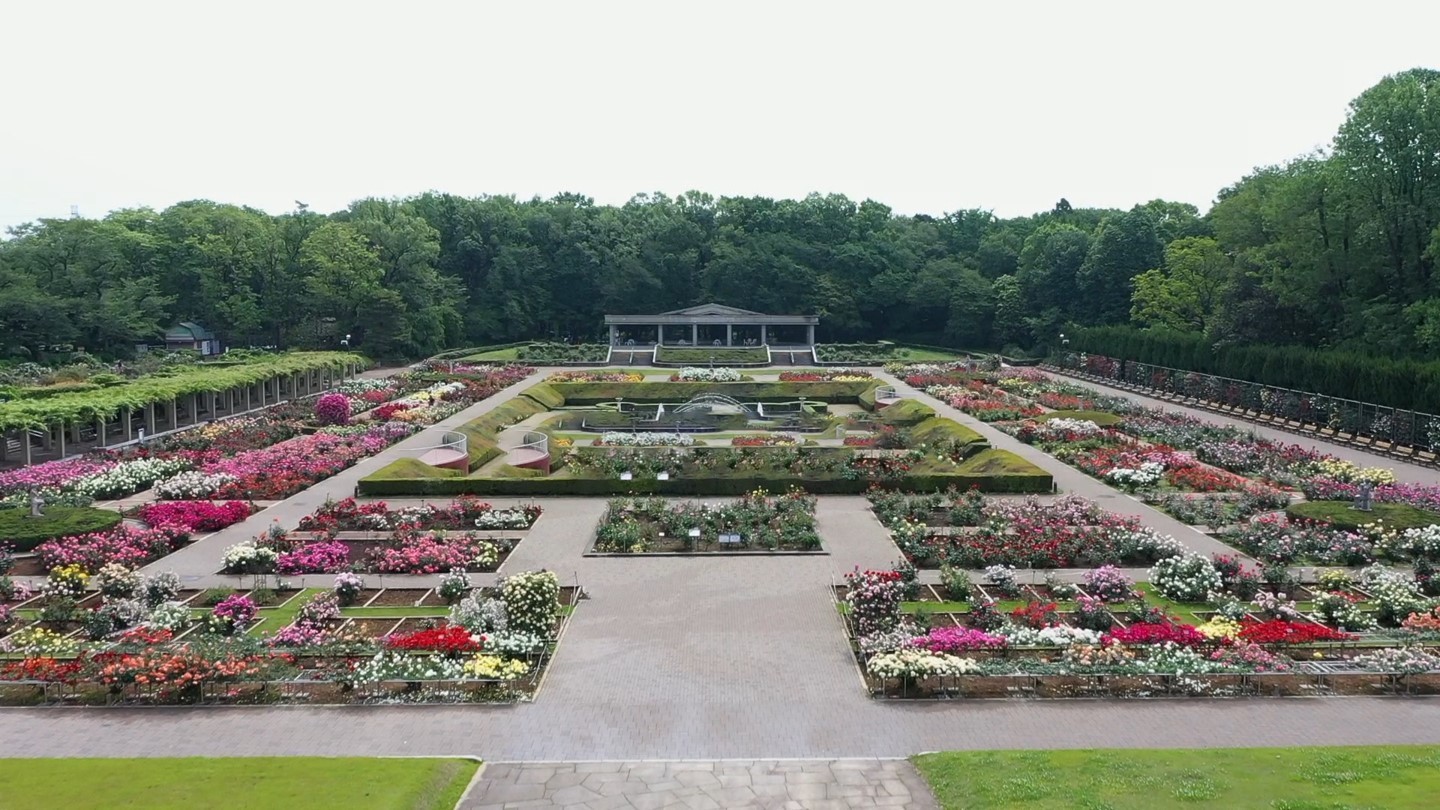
(255, 783)
(1232, 779)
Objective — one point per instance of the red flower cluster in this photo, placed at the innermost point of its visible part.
(450, 639)
(1038, 615)
(1280, 631)
(1183, 634)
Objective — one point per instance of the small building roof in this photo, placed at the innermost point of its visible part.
(186, 331)
(713, 313)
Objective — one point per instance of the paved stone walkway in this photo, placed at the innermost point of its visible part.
(697, 785)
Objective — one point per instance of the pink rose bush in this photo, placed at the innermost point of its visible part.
(125, 545)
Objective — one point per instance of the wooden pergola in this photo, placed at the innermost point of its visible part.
(701, 326)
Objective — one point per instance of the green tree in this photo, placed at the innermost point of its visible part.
(1185, 293)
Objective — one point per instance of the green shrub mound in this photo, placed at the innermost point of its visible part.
(906, 412)
(563, 353)
(1101, 418)
(948, 434)
(24, 533)
(1396, 516)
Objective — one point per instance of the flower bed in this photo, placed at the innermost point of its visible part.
(464, 513)
(827, 375)
(691, 374)
(646, 439)
(760, 521)
(195, 516)
(406, 551)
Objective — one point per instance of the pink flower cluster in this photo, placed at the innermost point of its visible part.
(958, 639)
(283, 469)
(416, 553)
(123, 544)
(328, 557)
(52, 474)
(195, 516)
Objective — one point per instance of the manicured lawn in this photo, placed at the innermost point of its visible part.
(1397, 516)
(262, 783)
(925, 355)
(498, 354)
(1235, 779)
(1101, 418)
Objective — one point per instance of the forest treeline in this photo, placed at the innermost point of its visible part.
(1331, 250)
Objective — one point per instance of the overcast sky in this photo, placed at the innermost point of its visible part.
(925, 107)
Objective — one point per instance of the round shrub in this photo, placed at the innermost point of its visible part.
(25, 533)
(333, 409)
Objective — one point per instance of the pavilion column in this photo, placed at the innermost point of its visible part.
(763, 339)
(810, 334)
(614, 335)
(729, 334)
(694, 334)
(659, 334)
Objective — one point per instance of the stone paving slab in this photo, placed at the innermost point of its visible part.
(701, 785)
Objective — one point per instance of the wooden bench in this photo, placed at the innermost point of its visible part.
(1403, 451)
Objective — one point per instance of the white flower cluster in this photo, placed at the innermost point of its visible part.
(171, 616)
(616, 439)
(192, 485)
(393, 666)
(1148, 475)
(1060, 427)
(1147, 541)
(1421, 542)
(709, 375)
(129, 477)
(1187, 578)
(1061, 636)
(916, 663)
(1407, 660)
(503, 519)
(248, 558)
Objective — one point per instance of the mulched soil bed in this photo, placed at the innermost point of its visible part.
(395, 597)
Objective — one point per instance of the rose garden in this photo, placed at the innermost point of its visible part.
(998, 585)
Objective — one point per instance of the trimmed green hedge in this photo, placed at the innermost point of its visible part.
(24, 533)
(480, 433)
(655, 392)
(406, 469)
(906, 412)
(701, 355)
(1009, 482)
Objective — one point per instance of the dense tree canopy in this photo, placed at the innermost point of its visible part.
(1335, 249)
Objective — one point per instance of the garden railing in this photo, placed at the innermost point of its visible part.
(1405, 434)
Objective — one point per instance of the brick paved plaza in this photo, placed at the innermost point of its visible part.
(729, 658)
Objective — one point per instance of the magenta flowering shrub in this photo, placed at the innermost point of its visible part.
(125, 545)
(326, 557)
(333, 409)
(1420, 496)
(281, 470)
(202, 516)
(874, 600)
(958, 639)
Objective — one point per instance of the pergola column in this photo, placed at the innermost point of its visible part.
(150, 418)
(61, 431)
(174, 414)
(247, 397)
(129, 424)
(100, 431)
(25, 443)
